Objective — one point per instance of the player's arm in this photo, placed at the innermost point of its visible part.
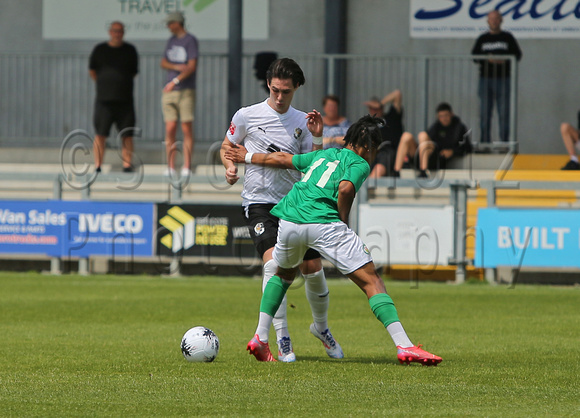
(274, 160)
(315, 126)
(346, 194)
(231, 169)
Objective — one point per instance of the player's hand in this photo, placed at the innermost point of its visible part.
(314, 123)
(169, 86)
(232, 175)
(236, 154)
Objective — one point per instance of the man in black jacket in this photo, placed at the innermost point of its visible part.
(494, 75)
(443, 140)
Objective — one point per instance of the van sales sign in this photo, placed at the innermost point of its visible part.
(76, 229)
(543, 19)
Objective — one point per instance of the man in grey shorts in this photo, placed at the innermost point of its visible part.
(178, 97)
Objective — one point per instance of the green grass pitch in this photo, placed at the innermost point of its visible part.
(109, 346)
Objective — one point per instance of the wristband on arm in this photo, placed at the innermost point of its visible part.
(317, 140)
(248, 157)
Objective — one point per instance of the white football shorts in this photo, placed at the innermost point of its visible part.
(335, 241)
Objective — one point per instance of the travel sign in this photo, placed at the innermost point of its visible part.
(542, 19)
(144, 19)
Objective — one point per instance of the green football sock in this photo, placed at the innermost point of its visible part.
(273, 295)
(384, 309)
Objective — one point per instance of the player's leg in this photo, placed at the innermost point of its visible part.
(288, 254)
(318, 297)
(264, 231)
(384, 309)
(344, 248)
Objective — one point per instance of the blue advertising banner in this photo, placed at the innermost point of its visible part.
(538, 19)
(528, 238)
(76, 229)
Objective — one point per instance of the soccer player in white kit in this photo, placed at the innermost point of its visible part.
(272, 126)
(314, 214)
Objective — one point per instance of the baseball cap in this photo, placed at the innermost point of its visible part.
(374, 103)
(174, 17)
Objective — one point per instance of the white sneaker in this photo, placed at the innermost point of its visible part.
(331, 346)
(185, 172)
(285, 352)
(169, 172)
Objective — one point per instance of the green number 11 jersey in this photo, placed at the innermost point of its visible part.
(314, 199)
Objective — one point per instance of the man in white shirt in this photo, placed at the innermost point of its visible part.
(271, 126)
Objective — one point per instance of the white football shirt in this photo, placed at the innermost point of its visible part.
(263, 130)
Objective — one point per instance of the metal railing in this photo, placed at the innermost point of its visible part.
(47, 95)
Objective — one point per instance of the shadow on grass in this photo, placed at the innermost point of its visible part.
(359, 360)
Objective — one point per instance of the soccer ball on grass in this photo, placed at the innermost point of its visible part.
(200, 344)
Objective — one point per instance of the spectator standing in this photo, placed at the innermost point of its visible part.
(335, 125)
(391, 131)
(113, 65)
(446, 137)
(178, 97)
(494, 76)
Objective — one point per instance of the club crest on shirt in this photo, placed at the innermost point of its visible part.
(259, 228)
(232, 128)
(366, 249)
(297, 133)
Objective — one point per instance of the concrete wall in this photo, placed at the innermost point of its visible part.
(547, 76)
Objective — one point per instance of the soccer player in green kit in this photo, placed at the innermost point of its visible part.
(314, 214)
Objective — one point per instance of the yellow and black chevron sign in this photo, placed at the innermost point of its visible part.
(182, 227)
(187, 230)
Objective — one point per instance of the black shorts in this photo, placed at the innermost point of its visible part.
(122, 114)
(264, 229)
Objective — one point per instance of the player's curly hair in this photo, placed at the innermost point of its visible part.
(365, 133)
(284, 69)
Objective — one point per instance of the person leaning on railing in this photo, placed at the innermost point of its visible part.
(494, 76)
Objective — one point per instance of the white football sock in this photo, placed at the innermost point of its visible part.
(574, 158)
(263, 329)
(399, 335)
(279, 321)
(317, 295)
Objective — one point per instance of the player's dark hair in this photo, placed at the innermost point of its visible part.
(365, 133)
(284, 69)
(444, 107)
